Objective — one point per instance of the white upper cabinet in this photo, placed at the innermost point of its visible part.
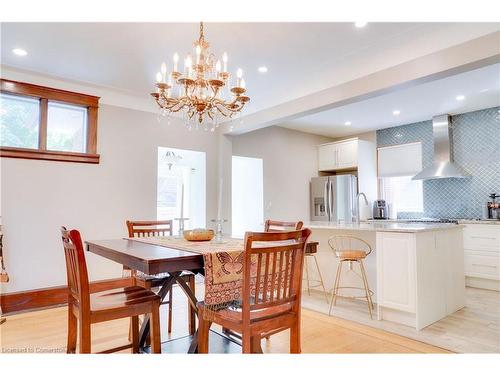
(338, 155)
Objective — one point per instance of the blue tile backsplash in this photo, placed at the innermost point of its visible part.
(476, 140)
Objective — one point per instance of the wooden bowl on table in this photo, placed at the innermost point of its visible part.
(199, 234)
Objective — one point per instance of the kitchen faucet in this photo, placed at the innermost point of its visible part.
(356, 220)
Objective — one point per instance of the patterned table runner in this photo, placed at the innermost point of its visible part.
(223, 264)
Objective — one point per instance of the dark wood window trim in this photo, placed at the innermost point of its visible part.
(46, 94)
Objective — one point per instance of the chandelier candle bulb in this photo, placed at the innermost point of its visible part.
(242, 83)
(239, 74)
(158, 77)
(198, 53)
(176, 62)
(224, 59)
(163, 71)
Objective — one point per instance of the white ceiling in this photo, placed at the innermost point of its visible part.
(481, 88)
(302, 57)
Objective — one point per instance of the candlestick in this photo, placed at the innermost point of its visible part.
(218, 230)
(219, 202)
(181, 226)
(182, 201)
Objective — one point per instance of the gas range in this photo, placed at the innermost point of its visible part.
(432, 220)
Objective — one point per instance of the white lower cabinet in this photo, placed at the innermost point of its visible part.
(482, 255)
(396, 271)
(420, 276)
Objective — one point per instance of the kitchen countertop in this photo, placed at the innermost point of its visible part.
(385, 226)
(460, 221)
(482, 221)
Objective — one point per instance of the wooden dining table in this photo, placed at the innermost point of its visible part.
(152, 260)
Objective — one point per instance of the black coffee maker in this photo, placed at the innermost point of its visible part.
(493, 207)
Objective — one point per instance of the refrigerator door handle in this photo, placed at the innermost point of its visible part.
(332, 201)
(327, 199)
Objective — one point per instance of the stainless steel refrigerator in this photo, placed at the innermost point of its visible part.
(332, 198)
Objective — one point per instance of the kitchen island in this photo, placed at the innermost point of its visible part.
(416, 270)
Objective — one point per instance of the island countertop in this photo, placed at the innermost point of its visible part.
(383, 226)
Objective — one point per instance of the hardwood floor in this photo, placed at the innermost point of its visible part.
(45, 331)
(473, 329)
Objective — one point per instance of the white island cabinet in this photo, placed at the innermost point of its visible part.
(420, 277)
(415, 270)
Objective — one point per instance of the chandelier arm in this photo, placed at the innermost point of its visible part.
(221, 111)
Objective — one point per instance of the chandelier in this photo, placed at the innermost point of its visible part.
(201, 92)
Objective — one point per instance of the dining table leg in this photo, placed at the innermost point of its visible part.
(175, 278)
(145, 327)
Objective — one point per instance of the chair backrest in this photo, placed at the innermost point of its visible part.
(282, 226)
(149, 228)
(76, 268)
(343, 243)
(276, 279)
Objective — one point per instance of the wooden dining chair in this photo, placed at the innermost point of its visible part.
(282, 226)
(85, 308)
(155, 229)
(270, 298)
(311, 250)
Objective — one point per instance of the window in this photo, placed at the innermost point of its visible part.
(66, 127)
(404, 194)
(186, 177)
(45, 123)
(19, 121)
(396, 167)
(247, 191)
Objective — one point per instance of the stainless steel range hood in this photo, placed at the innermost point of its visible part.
(443, 166)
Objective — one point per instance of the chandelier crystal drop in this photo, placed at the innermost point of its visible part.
(202, 91)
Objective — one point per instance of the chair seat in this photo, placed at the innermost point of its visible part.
(115, 299)
(311, 248)
(351, 254)
(234, 315)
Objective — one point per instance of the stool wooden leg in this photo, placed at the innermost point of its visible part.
(367, 289)
(335, 287)
(320, 277)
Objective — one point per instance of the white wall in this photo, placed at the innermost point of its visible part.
(247, 195)
(40, 196)
(290, 160)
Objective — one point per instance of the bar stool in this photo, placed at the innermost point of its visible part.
(350, 249)
(311, 250)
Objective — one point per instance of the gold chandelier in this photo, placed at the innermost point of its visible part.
(202, 91)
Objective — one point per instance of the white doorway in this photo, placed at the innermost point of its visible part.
(247, 195)
(180, 170)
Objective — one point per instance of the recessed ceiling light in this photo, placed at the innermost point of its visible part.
(347, 123)
(262, 69)
(396, 112)
(19, 52)
(460, 97)
(360, 24)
